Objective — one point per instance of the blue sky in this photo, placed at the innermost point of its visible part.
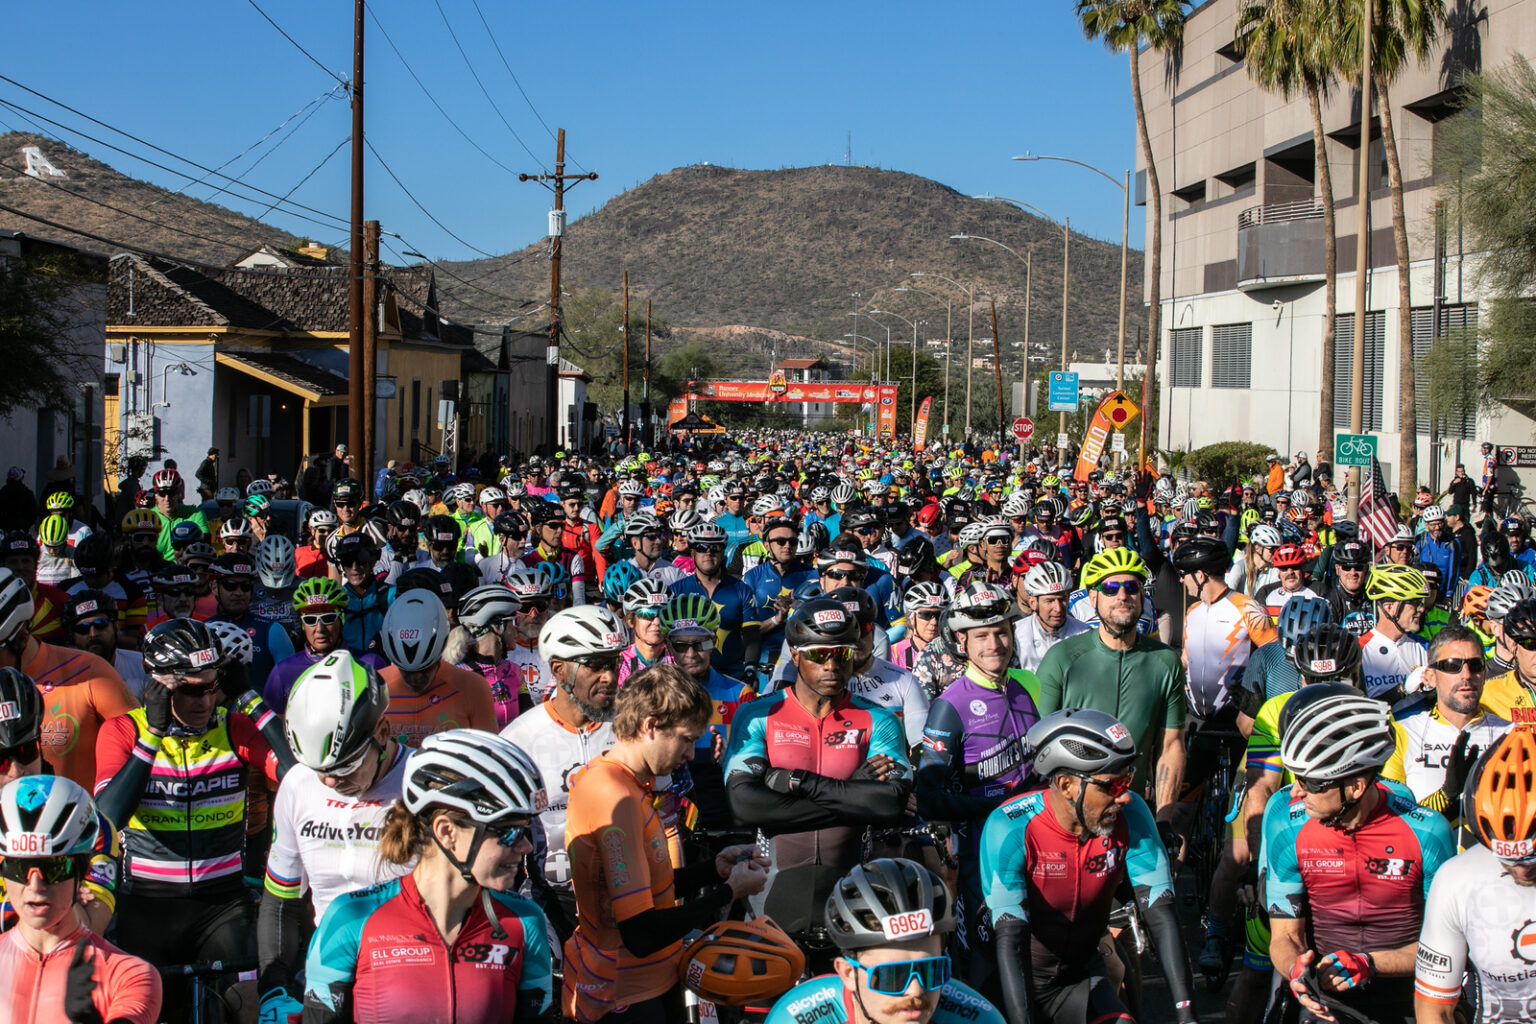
(947, 91)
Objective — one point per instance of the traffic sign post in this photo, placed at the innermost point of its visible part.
(1023, 429)
(1354, 449)
(1064, 393)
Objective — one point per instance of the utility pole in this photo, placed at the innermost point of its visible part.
(1362, 257)
(1066, 255)
(557, 184)
(356, 369)
(970, 357)
(365, 457)
(997, 372)
(647, 431)
(949, 356)
(624, 329)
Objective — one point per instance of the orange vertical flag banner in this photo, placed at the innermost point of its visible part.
(887, 417)
(920, 431)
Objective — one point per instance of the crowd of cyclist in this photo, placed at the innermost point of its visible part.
(936, 730)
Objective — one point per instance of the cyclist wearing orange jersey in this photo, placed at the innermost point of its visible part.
(48, 831)
(621, 965)
(80, 691)
(426, 694)
(1221, 629)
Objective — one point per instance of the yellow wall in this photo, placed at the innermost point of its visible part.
(406, 364)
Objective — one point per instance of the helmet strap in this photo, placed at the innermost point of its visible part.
(1347, 806)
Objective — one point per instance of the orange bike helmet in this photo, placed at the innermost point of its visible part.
(1289, 556)
(1504, 799)
(1475, 602)
(736, 963)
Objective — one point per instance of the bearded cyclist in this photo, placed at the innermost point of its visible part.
(888, 919)
(1051, 862)
(450, 941)
(328, 814)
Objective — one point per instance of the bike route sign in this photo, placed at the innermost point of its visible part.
(1354, 450)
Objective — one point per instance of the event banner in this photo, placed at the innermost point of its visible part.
(887, 418)
(1113, 413)
(920, 432)
(880, 397)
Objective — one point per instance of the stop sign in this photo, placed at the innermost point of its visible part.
(1023, 428)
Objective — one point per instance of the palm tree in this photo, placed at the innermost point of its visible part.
(1126, 25)
(1401, 29)
(1290, 45)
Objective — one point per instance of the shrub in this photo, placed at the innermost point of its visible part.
(1222, 464)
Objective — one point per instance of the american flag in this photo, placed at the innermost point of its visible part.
(1377, 523)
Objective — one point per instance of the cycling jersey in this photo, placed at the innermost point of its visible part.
(276, 603)
(823, 1000)
(1064, 884)
(81, 693)
(1031, 641)
(1478, 921)
(1424, 742)
(1275, 597)
(1219, 637)
(270, 641)
(505, 679)
(538, 680)
(286, 672)
(364, 615)
(632, 661)
(1390, 665)
(326, 842)
(1509, 698)
(1345, 604)
(973, 746)
(377, 956)
(455, 699)
(127, 988)
(1361, 889)
(620, 868)
(893, 688)
(738, 609)
(496, 568)
(768, 584)
(1142, 687)
(558, 749)
(1080, 607)
(1269, 672)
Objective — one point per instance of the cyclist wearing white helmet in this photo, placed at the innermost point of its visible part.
(1257, 566)
(582, 646)
(535, 594)
(276, 577)
(487, 618)
(1047, 589)
(923, 605)
(648, 539)
(328, 812)
(427, 694)
(380, 954)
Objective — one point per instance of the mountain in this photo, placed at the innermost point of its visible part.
(786, 250)
(75, 190)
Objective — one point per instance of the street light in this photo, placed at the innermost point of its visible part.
(1066, 265)
(873, 348)
(970, 337)
(949, 330)
(883, 371)
(1125, 234)
(1029, 253)
(914, 324)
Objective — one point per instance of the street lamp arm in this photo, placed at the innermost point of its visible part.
(990, 198)
(983, 238)
(1068, 160)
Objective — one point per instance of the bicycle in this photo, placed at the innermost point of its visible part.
(204, 995)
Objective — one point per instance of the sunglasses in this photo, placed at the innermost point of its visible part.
(895, 978)
(197, 691)
(653, 535)
(1453, 666)
(823, 655)
(512, 835)
(93, 625)
(999, 540)
(53, 869)
(532, 605)
(1115, 787)
(24, 754)
(926, 613)
(239, 586)
(344, 504)
(599, 663)
(703, 645)
(165, 493)
(355, 765)
(1113, 587)
(718, 549)
(865, 529)
(781, 540)
(849, 575)
(1526, 644)
(360, 559)
(320, 618)
(1316, 786)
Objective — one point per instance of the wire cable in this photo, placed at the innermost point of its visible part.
(295, 43)
(306, 177)
(487, 93)
(506, 64)
(388, 170)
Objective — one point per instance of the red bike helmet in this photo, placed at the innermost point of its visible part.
(1288, 556)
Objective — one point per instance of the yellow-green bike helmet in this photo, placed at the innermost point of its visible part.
(1392, 582)
(1110, 563)
(53, 530)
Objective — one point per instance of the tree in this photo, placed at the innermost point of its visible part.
(40, 309)
(1401, 29)
(1126, 25)
(1290, 45)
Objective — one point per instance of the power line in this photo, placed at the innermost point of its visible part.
(295, 43)
(506, 64)
(388, 170)
(443, 268)
(306, 177)
(475, 75)
(446, 116)
(151, 145)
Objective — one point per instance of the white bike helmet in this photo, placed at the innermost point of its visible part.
(1080, 741)
(971, 534)
(843, 493)
(333, 710)
(1265, 536)
(482, 775)
(234, 642)
(1018, 504)
(1048, 578)
(275, 562)
(484, 608)
(981, 604)
(1337, 736)
(923, 595)
(46, 816)
(16, 608)
(415, 631)
(529, 584)
(235, 527)
(459, 492)
(227, 494)
(685, 519)
(580, 632)
(645, 593)
(490, 494)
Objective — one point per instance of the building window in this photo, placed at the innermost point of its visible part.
(1232, 356)
(1186, 356)
(1458, 326)
(1343, 369)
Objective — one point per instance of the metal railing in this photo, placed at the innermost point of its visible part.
(1280, 213)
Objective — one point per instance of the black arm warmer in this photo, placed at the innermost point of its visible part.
(279, 942)
(858, 801)
(653, 930)
(1013, 967)
(271, 726)
(752, 644)
(757, 806)
(530, 1005)
(1163, 925)
(1150, 552)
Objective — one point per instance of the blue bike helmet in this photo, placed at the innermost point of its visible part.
(619, 577)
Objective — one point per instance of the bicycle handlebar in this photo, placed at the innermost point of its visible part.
(210, 967)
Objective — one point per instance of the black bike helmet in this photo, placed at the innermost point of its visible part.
(1520, 621)
(1351, 554)
(867, 899)
(1326, 651)
(24, 706)
(461, 578)
(509, 524)
(915, 555)
(403, 514)
(443, 530)
(424, 577)
(93, 554)
(857, 601)
(180, 646)
(1203, 554)
(821, 622)
(541, 512)
(84, 603)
